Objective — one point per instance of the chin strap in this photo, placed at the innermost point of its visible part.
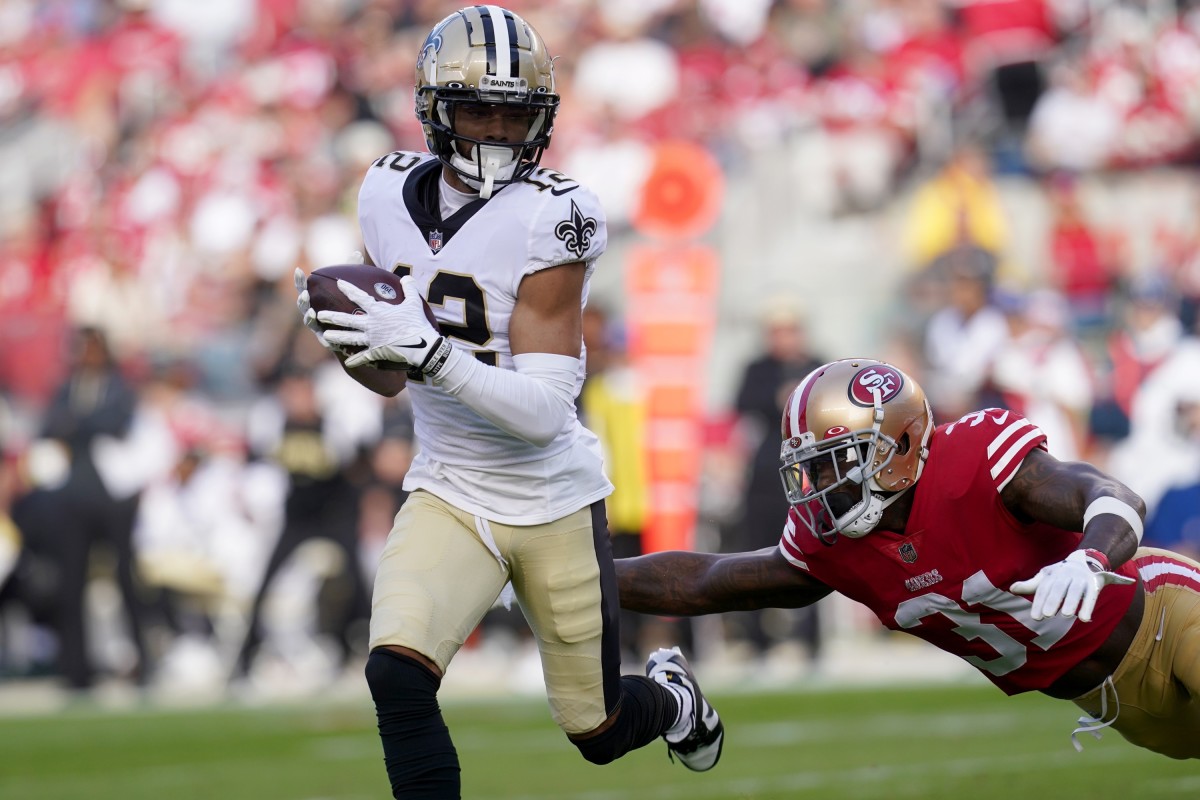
(492, 162)
(866, 521)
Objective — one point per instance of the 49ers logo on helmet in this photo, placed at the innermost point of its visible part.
(883, 379)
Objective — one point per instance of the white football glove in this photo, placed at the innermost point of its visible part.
(399, 333)
(304, 303)
(1073, 583)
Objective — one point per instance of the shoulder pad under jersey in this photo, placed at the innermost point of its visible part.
(397, 164)
(567, 221)
(993, 440)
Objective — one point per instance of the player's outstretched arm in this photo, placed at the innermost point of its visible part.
(1078, 497)
(688, 584)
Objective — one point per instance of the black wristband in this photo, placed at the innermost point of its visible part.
(438, 354)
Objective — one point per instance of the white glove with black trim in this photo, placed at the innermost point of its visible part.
(304, 303)
(1073, 583)
(399, 333)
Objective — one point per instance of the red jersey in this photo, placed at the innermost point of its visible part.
(946, 577)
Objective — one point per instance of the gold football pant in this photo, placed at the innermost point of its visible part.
(1158, 682)
(443, 568)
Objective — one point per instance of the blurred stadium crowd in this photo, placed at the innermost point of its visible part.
(171, 434)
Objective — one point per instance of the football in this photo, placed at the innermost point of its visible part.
(384, 286)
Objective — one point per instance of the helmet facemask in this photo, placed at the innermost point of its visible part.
(817, 475)
(484, 164)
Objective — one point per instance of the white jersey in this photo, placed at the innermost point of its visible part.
(469, 268)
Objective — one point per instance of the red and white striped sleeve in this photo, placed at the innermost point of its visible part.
(788, 543)
(1008, 448)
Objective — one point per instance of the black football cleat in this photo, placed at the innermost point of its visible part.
(700, 749)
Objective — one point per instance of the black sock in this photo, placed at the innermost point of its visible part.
(647, 710)
(421, 761)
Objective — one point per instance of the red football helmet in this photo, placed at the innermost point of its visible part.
(853, 424)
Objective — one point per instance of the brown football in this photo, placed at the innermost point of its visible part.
(384, 286)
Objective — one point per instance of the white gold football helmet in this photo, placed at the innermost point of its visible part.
(488, 55)
(853, 424)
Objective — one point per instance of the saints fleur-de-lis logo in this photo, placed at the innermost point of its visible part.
(577, 232)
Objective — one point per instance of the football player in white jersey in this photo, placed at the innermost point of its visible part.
(508, 486)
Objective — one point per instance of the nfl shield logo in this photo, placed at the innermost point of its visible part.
(908, 553)
(435, 240)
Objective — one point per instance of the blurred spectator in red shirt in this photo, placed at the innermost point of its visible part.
(1079, 262)
(699, 63)
(1154, 127)
(1004, 42)
(29, 324)
(1000, 32)
(146, 62)
(929, 57)
(1154, 131)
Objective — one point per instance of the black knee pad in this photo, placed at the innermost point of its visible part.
(420, 758)
(646, 711)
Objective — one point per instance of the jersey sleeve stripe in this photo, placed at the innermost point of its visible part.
(1014, 451)
(787, 545)
(1004, 435)
(1012, 474)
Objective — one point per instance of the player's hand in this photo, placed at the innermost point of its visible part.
(306, 310)
(1070, 585)
(398, 333)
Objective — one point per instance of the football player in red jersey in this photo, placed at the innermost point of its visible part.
(972, 537)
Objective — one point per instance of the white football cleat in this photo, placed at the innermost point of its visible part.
(700, 748)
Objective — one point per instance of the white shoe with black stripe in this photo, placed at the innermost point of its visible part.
(699, 745)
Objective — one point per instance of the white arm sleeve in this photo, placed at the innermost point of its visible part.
(532, 403)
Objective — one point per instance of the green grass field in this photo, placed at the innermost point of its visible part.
(867, 744)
